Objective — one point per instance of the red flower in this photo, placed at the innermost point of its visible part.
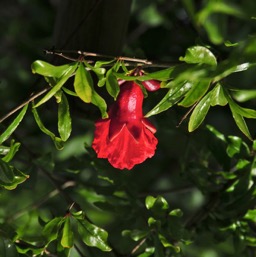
(126, 138)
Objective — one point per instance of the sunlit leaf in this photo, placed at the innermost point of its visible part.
(12, 127)
(173, 96)
(83, 84)
(48, 70)
(218, 96)
(199, 54)
(64, 119)
(199, 113)
(195, 93)
(100, 103)
(68, 73)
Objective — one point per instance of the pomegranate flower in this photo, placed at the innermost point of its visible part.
(126, 138)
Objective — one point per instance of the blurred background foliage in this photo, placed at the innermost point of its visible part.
(195, 172)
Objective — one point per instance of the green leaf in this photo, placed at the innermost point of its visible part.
(148, 252)
(238, 113)
(158, 205)
(51, 229)
(7, 248)
(218, 96)
(11, 128)
(93, 235)
(57, 141)
(195, 93)
(98, 64)
(234, 145)
(174, 95)
(199, 54)
(6, 173)
(161, 75)
(68, 73)
(199, 113)
(100, 103)
(176, 212)
(64, 119)
(135, 234)
(13, 149)
(239, 120)
(83, 84)
(4, 150)
(67, 239)
(49, 70)
(243, 95)
(251, 215)
(19, 177)
(10, 177)
(69, 92)
(112, 84)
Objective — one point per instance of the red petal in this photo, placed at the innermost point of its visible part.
(125, 151)
(149, 125)
(115, 129)
(101, 140)
(135, 128)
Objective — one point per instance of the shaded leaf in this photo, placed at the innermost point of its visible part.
(13, 149)
(10, 177)
(93, 235)
(148, 252)
(51, 229)
(67, 238)
(64, 119)
(112, 84)
(57, 141)
(240, 122)
(243, 95)
(135, 234)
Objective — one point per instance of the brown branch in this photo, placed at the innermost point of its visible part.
(32, 97)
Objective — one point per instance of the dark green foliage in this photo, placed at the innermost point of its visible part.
(196, 197)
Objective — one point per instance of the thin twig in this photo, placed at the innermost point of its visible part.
(32, 97)
(135, 249)
(138, 61)
(187, 113)
(33, 206)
